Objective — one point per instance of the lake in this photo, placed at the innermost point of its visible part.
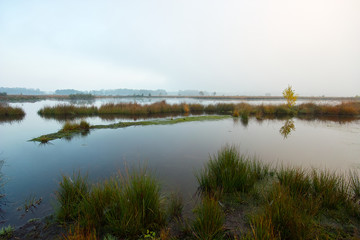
(172, 152)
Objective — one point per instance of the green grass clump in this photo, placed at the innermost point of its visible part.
(355, 184)
(281, 203)
(282, 217)
(140, 207)
(71, 193)
(296, 179)
(209, 220)
(7, 232)
(228, 172)
(124, 206)
(330, 190)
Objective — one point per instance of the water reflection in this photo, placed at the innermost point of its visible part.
(82, 101)
(80, 134)
(287, 128)
(112, 117)
(3, 200)
(11, 119)
(337, 119)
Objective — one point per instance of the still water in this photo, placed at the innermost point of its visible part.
(172, 152)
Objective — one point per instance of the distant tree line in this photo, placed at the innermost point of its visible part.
(104, 92)
(24, 91)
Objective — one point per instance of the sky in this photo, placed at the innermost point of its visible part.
(248, 47)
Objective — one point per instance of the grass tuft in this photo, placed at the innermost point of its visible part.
(71, 193)
(7, 232)
(209, 220)
(229, 171)
(124, 206)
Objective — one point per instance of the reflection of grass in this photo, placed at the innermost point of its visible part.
(71, 131)
(12, 118)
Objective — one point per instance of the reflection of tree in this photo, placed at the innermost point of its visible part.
(286, 129)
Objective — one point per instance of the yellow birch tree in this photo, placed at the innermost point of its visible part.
(289, 95)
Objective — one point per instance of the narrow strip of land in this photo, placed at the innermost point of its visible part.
(70, 133)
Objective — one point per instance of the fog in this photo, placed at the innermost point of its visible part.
(241, 47)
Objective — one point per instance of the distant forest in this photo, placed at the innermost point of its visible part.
(107, 92)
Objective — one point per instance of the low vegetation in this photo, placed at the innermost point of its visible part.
(241, 109)
(8, 111)
(264, 202)
(285, 202)
(126, 205)
(7, 232)
(71, 129)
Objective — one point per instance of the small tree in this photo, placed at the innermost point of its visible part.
(289, 95)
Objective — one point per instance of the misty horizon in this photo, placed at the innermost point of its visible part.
(237, 47)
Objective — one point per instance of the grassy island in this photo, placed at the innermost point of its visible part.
(8, 111)
(72, 129)
(346, 109)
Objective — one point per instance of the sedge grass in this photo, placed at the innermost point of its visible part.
(355, 183)
(229, 171)
(284, 202)
(140, 205)
(209, 220)
(72, 191)
(124, 206)
(7, 232)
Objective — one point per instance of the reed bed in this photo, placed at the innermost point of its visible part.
(243, 110)
(8, 111)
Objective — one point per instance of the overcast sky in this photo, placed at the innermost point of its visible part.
(245, 46)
